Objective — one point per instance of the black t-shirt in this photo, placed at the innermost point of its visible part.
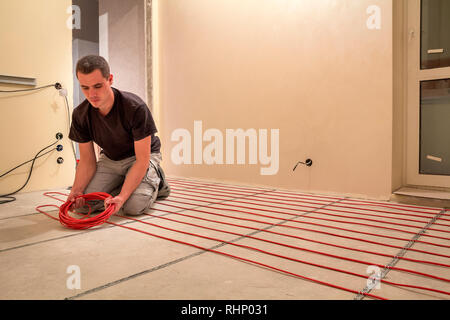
(129, 120)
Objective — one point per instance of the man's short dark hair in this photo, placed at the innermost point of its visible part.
(90, 63)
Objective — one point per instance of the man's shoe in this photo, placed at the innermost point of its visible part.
(164, 188)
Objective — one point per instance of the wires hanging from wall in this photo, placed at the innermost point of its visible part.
(6, 198)
(31, 89)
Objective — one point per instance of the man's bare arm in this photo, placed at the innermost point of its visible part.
(84, 173)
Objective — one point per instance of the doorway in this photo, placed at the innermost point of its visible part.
(428, 94)
(85, 41)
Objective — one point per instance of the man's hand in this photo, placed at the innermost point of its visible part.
(118, 201)
(78, 202)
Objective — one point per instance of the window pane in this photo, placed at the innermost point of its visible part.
(435, 127)
(435, 34)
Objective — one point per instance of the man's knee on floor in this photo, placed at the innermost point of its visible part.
(137, 204)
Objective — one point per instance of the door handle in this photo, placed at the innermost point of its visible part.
(432, 51)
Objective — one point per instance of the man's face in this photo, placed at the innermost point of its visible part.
(96, 88)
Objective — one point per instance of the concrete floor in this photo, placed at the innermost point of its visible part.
(119, 263)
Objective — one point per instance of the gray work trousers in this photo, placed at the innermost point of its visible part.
(110, 176)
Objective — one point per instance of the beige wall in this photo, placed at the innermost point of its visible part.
(310, 68)
(36, 43)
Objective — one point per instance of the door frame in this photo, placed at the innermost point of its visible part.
(414, 76)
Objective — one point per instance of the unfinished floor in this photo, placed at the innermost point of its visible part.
(210, 240)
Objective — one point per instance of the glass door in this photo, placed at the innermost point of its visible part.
(428, 94)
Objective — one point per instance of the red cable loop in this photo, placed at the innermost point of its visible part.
(86, 222)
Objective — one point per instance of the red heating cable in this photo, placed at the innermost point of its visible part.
(317, 224)
(253, 261)
(345, 211)
(333, 220)
(223, 253)
(288, 257)
(322, 213)
(297, 237)
(302, 238)
(277, 255)
(370, 263)
(278, 207)
(393, 206)
(49, 194)
(221, 193)
(378, 235)
(86, 222)
(311, 223)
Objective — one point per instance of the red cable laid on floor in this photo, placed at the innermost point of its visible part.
(261, 199)
(225, 204)
(288, 235)
(212, 187)
(314, 197)
(277, 255)
(218, 252)
(254, 262)
(292, 236)
(353, 260)
(301, 222)
(340, 221)
(86, 222)
(317, 212)
(335, 210)
(295, 199)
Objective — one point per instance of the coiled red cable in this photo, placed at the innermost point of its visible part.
(85, 222)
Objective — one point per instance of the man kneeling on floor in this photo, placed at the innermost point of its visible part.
(128, 167)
